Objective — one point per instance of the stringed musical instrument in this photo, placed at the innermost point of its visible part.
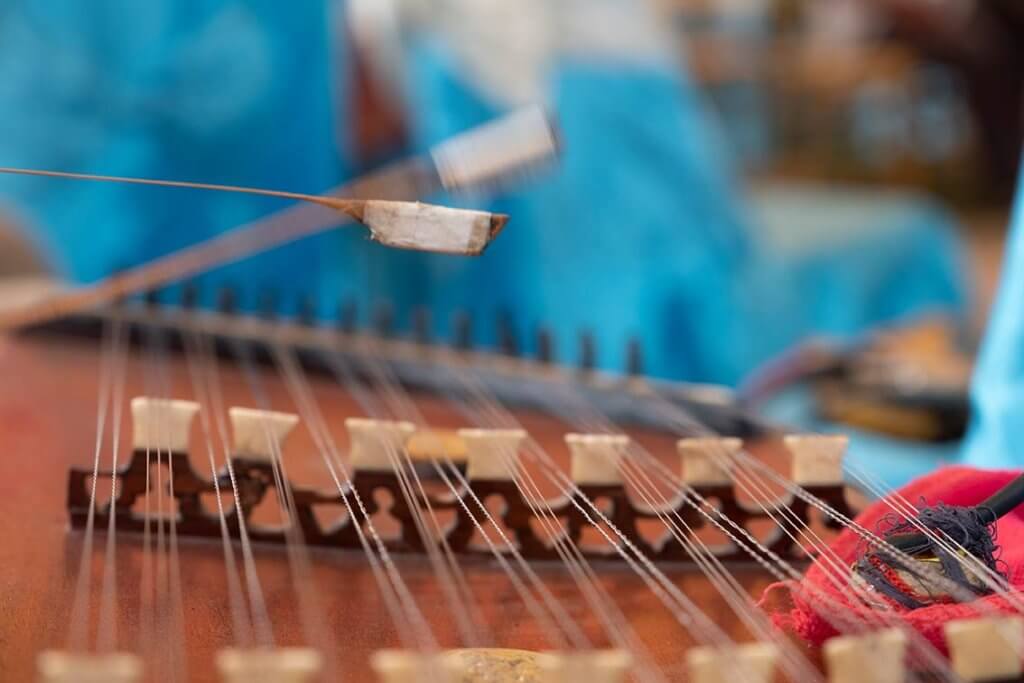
(214, 497)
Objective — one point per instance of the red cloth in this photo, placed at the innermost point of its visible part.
(952, 486)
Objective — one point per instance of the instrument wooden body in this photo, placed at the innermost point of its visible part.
(48, 421)
(160, 593)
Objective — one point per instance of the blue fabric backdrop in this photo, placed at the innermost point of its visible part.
(642, 232)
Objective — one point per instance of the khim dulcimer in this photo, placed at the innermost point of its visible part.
(235, 517)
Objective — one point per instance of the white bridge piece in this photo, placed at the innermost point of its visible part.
(817, 458)
(597, 666)
(986, 649)
(596, 458)
(875, 657)
(282, 665)
(749, 662)
(707, 461)
(260, 434)
(492, 453)
(374, 444)
(404, 666)
(160, 424)
(55, 666)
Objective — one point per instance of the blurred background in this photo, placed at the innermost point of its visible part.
(765, 194)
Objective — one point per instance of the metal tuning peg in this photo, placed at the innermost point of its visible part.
(305, 311)
(190, 295)
(421, 325)
(348, 315)
(383, 319)
(227, 300)
(151, 298)
(506, 335)
(634, 358)
(588, 351)
(267, 304)
(545, 346)
(462, 337)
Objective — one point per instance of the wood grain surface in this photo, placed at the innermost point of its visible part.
(48, 401)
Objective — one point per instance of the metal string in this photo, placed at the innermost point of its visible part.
(899, 504)
(439, 554)
(314, 624)
(683, 609)
(794, 663)
(702, 428)
(578, 638)
(176, 617)
(79, 617)
(263, 633)
(242, 628)
(412, 627)
(743, 469)
(621, 633)
(562, 623)
(106, 639)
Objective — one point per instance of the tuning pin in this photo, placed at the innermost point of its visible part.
(383, 318)
(305, 311)
(634, 358)
(190, 295)
(545, 346)
(151, 298)
(260, 434)
(66, 667)
(348, 315)
(421, 325)
(267, 305)
(463, 330)
(506, 335)
(227, 300)
(588, 351)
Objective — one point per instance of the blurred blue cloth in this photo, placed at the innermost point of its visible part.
(838, 259)
(229, 92)
(996, 435)
(642, 232)
(609, 242)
